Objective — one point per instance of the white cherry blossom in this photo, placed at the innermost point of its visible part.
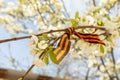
(42, 44)
(90, 20)
(33, 40)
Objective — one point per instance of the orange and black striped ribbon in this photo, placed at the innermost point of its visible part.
(91, 38)
(64, 45)
(62, 48)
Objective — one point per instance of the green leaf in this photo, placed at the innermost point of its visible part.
(83, 19)
(108, 17)
(109, 39)
(74, 22)
(100, 23)
(35, 1)
(119, 32)
(45, 36)
(22, 1)
(39, 38)
(96, 10)
(77, 15)
(66, 19)
(53, 57)
(20, 79)
(46, 60)
(102, 49)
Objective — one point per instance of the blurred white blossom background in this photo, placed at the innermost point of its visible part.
(29, 17)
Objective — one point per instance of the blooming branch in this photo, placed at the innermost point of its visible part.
(106, 33)
(24, 75)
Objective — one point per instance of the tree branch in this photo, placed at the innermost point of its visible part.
(23, 77)
(65, 9)
(105, 68)
(25, 37)
(114, 62)
(38, 10)
(94, 2)
(54, 12)
(106, 33)
(87, 74)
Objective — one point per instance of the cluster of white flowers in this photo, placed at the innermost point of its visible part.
(2, 20)
(11, 25)
(99, 16)
(90, 20)
(117, 66)
(36, 45)
(92, 61)
(52, 13)
(42, 13)
(107, 3)
(13, 28)
(2, 3)
(33, 44)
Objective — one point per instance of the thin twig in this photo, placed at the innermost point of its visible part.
(94, 2)
(39, 13)
(41, 16)
(87, 74)
(114, 62)
(112, 53)
(106, 33)
(25, 37)
(65, 8)
(23, 77)
(48, 47)
(54, 12)
(105, 68)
